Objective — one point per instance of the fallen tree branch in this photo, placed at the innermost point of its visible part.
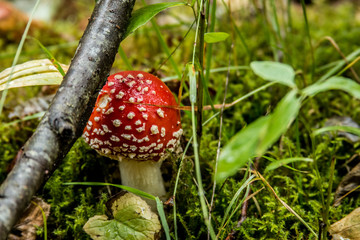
(69, 111)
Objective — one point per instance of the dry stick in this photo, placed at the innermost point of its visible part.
(69, 111)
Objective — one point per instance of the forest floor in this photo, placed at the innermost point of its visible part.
(302, 169)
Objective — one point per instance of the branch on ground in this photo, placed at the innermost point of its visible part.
(69, 111)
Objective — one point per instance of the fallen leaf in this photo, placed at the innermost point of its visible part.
(349, 182)
(347, 228)
(25, 229)
(133, 219)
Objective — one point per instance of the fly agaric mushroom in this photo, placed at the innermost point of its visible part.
(134, 121)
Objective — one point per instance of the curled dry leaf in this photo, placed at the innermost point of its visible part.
(25, 229)
(348, 227)
(32, 73)
(133, 219)
(349, 182)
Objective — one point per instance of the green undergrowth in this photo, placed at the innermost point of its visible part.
(302, 185)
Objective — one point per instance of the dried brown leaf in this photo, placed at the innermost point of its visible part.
(348, 227)
(32, 218)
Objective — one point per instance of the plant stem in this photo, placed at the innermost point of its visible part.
(17, 55)
(200, 87)
(125, 58)
(309, 39)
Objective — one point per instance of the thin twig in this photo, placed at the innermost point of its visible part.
(71, 107)
(220, 133)
(337, 48)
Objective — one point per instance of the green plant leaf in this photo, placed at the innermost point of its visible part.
(133, 219)
(32, 73)
(279, 163)
(257, 136)
(145, 14)
(214, 37)
(334, 83)
(241, 148)
(283, 115)
(274, 71)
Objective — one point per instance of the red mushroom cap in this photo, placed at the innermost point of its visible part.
(130, 121)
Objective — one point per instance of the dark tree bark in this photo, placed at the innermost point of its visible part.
(69, 111)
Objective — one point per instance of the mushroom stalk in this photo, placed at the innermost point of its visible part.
(143, 175)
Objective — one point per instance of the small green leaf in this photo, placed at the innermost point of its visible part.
(274, 71)
(133, 219)
(279, 163)
(214, 37)
(334, 83)
(145, 14)
(257, 137)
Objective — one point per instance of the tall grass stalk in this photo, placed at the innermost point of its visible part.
(307, 28)
(164, 45)
(209, 51)
(124, 58)
(329, 199)
(220, 134)
(179, 171)
(237, 30)
(200, 87)
(165, 48)
(17, 55)
(201, 191)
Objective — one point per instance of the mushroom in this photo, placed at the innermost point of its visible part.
(135, 121)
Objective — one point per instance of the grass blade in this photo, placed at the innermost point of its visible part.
(17, 55)
(162, 216)
(129, 189)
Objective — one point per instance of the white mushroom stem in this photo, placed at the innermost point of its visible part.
(143, 175)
